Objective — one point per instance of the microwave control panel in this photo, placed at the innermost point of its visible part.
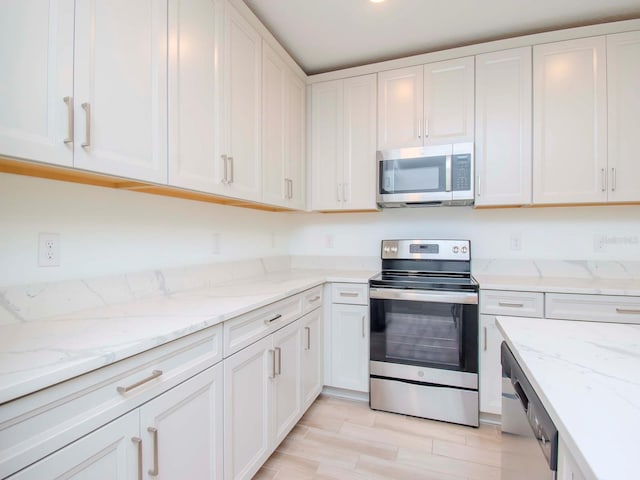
(461, 175)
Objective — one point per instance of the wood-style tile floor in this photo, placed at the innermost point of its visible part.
(344, 439)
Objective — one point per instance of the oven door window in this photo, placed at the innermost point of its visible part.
(438, 335)
(414, 175)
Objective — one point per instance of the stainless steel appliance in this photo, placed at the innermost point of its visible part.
(426, 176)
(424, 331)
(524, 415)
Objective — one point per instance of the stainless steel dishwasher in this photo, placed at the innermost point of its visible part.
(534, 436)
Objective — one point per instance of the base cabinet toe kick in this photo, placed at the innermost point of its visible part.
(211, 405)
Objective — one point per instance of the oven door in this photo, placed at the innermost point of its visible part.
(433, 329)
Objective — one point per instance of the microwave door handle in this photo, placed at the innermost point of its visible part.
(448, 174)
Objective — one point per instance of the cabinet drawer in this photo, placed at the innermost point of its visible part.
(352, 293)
(599, 308)
(33, 426)
(242, 331)
(311, 299)
(518, 304)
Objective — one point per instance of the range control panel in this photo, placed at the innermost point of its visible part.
(426, 249)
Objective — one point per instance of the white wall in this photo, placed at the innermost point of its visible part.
(105, 231)
(546, 233)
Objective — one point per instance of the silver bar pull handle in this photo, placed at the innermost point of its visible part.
(363, 329)
(272, 353)
(154, 374)
(87, 126)
(279, 354)
(225, 168)
(272, 319)
(603, 175)
(513, 305)
(69, 102)
(338, 189)
(447, 180)
(345, 192)
(478, 185)
(348, 294)
(138, 442)
(286, 188)
(231, 172)
(290, 189)
(314, 299)
(628, 311)
(308, 330)
(613, 179)
(155, 471)
(419, 129)
(484, 339)
(426, 127)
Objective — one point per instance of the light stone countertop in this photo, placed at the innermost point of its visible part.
(587, 375)
(38, 353)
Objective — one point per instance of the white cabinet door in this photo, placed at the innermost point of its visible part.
(623, 82)
(350, 347)
(568, 468)
(400, 108)
(283, 132)
(109, 453)
(327, 132)
(449, 101)
(295, 144)
(195, 28)
(359, 140)
(182, 429)
(343, 157)
(274, 160)
(570, 122)
(503, 127)
(286, 388)
(242, 107)
(120, 82)
(490, 366)
(36, 84)
(247, 409)
(312, 381)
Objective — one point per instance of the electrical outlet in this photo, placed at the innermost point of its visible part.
(49, 250)
(516, 241)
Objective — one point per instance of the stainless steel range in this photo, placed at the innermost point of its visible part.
(424, 331)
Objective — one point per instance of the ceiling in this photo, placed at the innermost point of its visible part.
(326, 35)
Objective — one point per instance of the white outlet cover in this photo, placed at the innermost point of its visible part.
(49, 250)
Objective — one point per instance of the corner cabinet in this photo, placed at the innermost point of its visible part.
(283, 133)
(343, 144)
(426, 105)
(570, 122)
(503, 128)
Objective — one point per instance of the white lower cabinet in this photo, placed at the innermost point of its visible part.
(176, 435)
(348, 338)
(492, 303)
(312, 380)
(265, 384)
(568, 468)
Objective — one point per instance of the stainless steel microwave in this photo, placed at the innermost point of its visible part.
(424, 176)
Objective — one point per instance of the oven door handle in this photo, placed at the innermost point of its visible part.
(423, 296)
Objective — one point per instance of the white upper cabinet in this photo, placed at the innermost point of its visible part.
(36, 84)
(195, 28)
(120, 83)
(623, 81)
(570, 122)
(503, 128)
(242, 102)
(343, 144)
(426, 105)
(400, 108)
(283, 131)
(448, 101)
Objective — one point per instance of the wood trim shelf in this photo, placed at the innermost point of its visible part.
(66, 174)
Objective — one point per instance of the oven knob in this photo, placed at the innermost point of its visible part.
(455, 249)
(464, 249)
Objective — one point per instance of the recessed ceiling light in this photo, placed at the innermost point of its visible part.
(376, 1)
